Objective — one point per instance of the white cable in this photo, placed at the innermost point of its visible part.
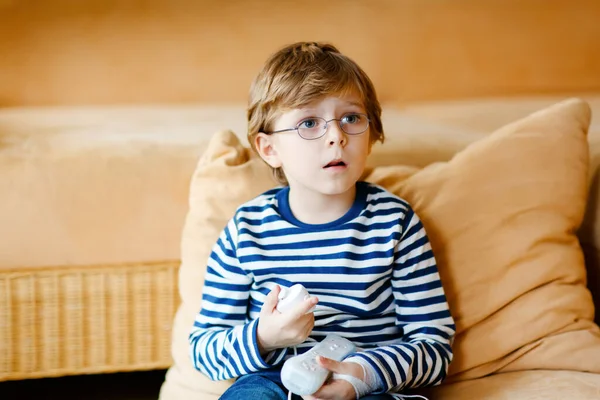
(289, 391)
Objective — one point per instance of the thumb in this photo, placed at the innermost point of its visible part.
(332, 365)
(271, 300)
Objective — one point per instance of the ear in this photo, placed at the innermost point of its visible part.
(265, 146)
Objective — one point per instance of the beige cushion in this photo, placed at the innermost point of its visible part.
(227, 175)
(522, 385)
(489, 114)
(501, 217)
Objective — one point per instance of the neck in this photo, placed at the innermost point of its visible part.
(318, 208)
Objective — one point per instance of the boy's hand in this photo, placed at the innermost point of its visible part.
(337, 389)
(276, 330)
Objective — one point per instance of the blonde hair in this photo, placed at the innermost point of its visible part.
(301, 73)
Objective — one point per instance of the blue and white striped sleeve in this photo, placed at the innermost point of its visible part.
(423, 353)
(223, 342)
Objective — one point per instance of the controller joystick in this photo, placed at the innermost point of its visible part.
(288, 298)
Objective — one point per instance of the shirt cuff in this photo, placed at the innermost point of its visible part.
(270, 359)
(371, 365)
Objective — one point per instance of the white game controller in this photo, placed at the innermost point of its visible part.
(302, 375)
(288, 298)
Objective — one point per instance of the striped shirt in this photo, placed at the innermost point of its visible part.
(373, 271)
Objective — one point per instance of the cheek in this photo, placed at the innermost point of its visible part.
(363, 147)
(297, 154)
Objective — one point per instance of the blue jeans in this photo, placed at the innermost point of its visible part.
(266, 385)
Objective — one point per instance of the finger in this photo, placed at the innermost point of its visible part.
(335, 389)
(271, 299)
(303, 307)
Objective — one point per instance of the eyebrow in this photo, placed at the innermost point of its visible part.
(346, 103)
(353, 103)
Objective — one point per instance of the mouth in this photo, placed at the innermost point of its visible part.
(335, 164)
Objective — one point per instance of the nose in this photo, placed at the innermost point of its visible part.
(335, 134)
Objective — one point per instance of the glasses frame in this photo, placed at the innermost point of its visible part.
(338, 120)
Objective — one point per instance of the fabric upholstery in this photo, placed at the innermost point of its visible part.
(110, 185)
(489, 114)
(522, 385)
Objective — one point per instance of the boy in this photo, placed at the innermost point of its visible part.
(360, 251)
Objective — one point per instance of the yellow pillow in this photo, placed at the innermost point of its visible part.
(501, 216)
(227, 175)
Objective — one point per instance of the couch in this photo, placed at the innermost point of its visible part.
(107, 108)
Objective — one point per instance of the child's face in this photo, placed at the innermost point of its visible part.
(329, 165)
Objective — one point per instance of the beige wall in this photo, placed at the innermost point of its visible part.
(133, 51)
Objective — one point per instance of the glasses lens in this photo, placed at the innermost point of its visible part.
(312, 128)
(354, 124)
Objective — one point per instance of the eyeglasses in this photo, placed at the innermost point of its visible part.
(315, 127)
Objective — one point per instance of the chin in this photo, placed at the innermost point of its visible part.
(337, 188)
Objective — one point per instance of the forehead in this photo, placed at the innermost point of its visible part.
(346, 99)
(326, 102)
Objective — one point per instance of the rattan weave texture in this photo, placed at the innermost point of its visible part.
(57, 321)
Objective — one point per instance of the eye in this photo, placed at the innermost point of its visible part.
(309, 123)
(352, 119)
